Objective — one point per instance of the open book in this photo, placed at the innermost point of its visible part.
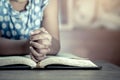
(60, 61)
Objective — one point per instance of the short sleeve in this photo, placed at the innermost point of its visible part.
(44, 4)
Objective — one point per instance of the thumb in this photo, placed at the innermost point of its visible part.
(37, 31)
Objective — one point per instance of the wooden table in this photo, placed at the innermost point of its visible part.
(108, 72)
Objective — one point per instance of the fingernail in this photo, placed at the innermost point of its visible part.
(30, 47)
(31, 33)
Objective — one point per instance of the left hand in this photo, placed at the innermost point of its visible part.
(40, 41)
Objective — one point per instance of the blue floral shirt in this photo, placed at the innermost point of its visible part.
(18, 25)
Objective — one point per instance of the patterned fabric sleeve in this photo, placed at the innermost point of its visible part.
(44, 4)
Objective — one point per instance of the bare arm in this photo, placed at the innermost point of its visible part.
(46, 41)
(50, 23)
(13, 47)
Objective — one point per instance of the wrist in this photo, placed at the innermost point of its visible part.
(26, 46)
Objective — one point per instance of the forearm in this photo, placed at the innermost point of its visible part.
(13, 47)
(55, 47)
(51, 24)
